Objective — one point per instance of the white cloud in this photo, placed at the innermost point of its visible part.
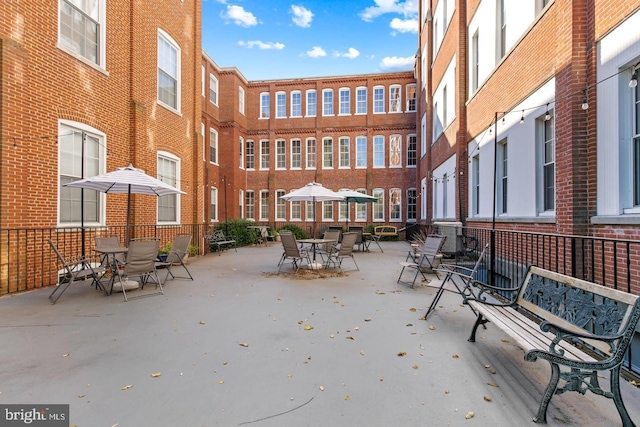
(404, 25)
(301, 16)
(239, 16)
(316, 52)
(394, 62)
(407, 8)
(262, 45)
(351, 53)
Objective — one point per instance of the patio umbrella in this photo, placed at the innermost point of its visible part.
(127, 180)
(351, 196)
(312, 192)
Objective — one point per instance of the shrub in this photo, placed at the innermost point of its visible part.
(297, 231)
(238, 229)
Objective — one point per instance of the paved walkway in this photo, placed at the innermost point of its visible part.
(243, 346)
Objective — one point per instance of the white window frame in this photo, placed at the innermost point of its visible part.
(311, 108)
(241, 100)
(69, 171)
(344, 101)
(241, 202)
(327, 153)
(361, 100)
(361, 152)
(250, 157)
(327, 102)
(361, 208)
(173, 182)
(412, 150)
(213, 89)
(281, 105)
(213, 205)
(164, 39)
(281, 206)
(250, 203)
(377, 207)
(265, 160)
(264, 205)
(378, 100)
(241, 153)
(327, 211)
(295, 210)
(310, 211)
(395, 151)
(502, 179)
(344, 153)
(378, 151)
(296, 154)
(281, 154)
(98, 17)
(412, 205)
(475, 185)
(296, 103)
(395, 99)
(265, 105)
(423, 136)
(395, 205)
(545, 164)
(311, 153)
(412, 101)
(213, 146)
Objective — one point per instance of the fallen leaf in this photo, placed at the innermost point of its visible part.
(487, 366)
(381, 378)
(308, 328)
(356, 328)
(455, 356)
(65, 355)
(331, 336)
(346, 397)
(156, 375)
(469, 415)
(308, 357)
(492, 384)
(300, 322)
(446, 392)
(321, 388)
(412, 309)
(368, 319)
(220, 382)
(244, 344)
(289, 375)
(415, 367)
(362, 352)
(350, 338)
(635, 383)
(503, 340)
(491, 371)
(402, 353)
(379, 293)
(431, 327)
(409, 324)
(487, 399)
(202, 322)
(81, 396)
(127, 387)
(224, 363)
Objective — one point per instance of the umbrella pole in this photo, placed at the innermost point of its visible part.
(128, 215)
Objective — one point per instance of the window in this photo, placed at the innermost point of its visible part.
(295, 208)
(343, 211)
(395, 151)
(264, 154)
(327, 102)
(395, 199)
(327, 153)
(437, 124)
(250, 203)
(475, 184)
(202, 80)
(241, 203)
(395, 99)
(214, 204)
(378, 205)
(636, 145)
(423, 198)
(502, 176)
(310, 210)
(327, 211)
(168, 71)
(296, 104)
(445, 194)
(311, 153)
(378, 99)
(345, 101)
(361, 152)
(281, 105)
(241, 100)
(281, 154)
(213, 146)
(169, 173)
(412, 199)
(82, 29)
(361, 100)
(312, 103)
(423, 67)
(81, 153)
(444, 107)
(475, 61)
(344, 148)
(250, 155)
(264, 205)
(213, 89)
(361, 208)
(378, 151)
(411, 98)
(241, 153)
(412, 153)
(296, 154)
(423, 135)
(501, 29)
(281, 209)
(541, 4)
(265, 106)
(547, 173)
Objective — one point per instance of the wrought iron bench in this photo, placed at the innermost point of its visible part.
(580, 326)
(219, 241)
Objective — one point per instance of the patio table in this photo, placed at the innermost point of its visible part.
(314, 243)
(110, 253)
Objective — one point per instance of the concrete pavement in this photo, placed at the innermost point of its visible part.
(241, 345)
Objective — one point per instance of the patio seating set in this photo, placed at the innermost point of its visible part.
(332, 249)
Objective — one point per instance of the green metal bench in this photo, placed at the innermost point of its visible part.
(580, 326)
(219, 241)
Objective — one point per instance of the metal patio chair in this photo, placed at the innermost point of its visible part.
(177, 255)
(292, 252)
(426, 260)
(141, 263)
(345, 250)
(75, 270)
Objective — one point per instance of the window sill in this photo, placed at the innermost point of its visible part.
(628, 219)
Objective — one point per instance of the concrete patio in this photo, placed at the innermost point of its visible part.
(241, 345)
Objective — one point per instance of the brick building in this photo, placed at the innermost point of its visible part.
(530, 101)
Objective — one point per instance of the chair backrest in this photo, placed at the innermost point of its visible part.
(61, 259)
(331, 235)
(290, 245)
(179, 248)
(431, 248)
(141, 257)
(472, 275)
(110, 242)
(264, 232)
(348, 241)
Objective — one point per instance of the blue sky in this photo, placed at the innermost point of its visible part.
(275, 39)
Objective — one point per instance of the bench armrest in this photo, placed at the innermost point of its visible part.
(563, 334)
(484, 289)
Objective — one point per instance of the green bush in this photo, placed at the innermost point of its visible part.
(299, 232)
(238, 229)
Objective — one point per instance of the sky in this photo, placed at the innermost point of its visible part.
(276, 39)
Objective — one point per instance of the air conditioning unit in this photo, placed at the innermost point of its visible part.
(453, 232)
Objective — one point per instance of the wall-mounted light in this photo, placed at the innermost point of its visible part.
(547, 116)
(522, 117)
(634, 79)
(585, 102)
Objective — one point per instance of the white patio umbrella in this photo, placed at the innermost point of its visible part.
(127, 180)
(351, 196)
(312, 192)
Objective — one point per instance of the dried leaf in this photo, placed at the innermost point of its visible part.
(156, 375)
(446, 392)
(415, 367)
(308, 328)
(504, 340)
(491, 371)
(432, 328)
(381, 378)
(356, 328)
(220, 382)
(244, 344)
(635, 383)
(487, 366)
(402, 353)
(81, 396)
(368, 319)
(492, 384)
(224, 363)
(321, 388)
(127, 387)
(346, 397)
(488, 399)
(362, 352)
(65, 355)
(469, 415)
(413, 310)
(331, 336)
(289, 375)
(202, 322)
(409, 324)
(455, 356)
(379, 293)
(300, 322)
(350, 338)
